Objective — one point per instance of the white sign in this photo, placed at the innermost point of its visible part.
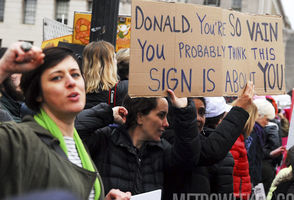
(154, 195)
(54, 29)
(290, 141)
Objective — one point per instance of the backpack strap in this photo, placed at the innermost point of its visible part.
(112, 95)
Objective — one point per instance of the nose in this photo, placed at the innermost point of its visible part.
(165, 123)
(70, 81)
(198, 118)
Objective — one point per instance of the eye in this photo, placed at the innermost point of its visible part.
(201, 112)
(75, 75)
(161, 115)
(56, 78)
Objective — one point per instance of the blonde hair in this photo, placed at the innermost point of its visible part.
(253, 114)
(100, 70)
(123, 55)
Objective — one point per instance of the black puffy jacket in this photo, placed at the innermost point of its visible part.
(93, 99)
(214, 148)
(127, 168)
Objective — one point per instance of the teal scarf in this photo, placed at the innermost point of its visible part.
(46, 122)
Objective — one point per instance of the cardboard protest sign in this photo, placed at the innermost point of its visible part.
(203, 51)
(54, 42)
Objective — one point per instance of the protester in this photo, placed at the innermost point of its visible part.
(272, 149)
(36, 154)
(282, 186)
(241, 176)
(133, 157)
(221, 173)
(6, 102)
(255, 143)
(214, 147)
(100, 72)
(12, 97)
(123, 60)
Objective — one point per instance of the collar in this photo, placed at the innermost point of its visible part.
(121, 137)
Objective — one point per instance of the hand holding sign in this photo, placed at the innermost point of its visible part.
(177, 102)
(246, 98)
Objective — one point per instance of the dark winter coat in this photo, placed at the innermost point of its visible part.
(221, 176)
(214, 148)
(254, 146)
(11, 106)
(127, 168)
(93, 99)
(28, 164)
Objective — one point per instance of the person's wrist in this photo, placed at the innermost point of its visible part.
(3, 73)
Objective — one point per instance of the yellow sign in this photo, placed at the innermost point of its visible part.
(123, 36)
(54, 42)
(82, 27)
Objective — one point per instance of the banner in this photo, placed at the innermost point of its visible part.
(123, 37)
(200, 50)
(82, 27)
(54, 42)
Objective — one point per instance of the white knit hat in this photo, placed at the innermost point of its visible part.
(216, 106)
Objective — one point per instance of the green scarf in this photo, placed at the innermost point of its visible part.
(45, 121)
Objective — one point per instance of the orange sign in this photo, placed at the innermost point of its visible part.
(82, 26)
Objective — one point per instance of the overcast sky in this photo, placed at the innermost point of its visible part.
(289, 10)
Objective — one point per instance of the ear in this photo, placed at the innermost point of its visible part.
(140, 118)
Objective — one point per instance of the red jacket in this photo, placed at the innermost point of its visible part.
(241, 177)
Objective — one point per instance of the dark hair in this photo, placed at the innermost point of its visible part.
(10, 89)
(2, 51)
(135, 106)
(123, 70)
(31, 81)
(212, 122)
(200, 98)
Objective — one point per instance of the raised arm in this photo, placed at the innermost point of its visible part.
(20, 58)
(185, 150)
(216, 146)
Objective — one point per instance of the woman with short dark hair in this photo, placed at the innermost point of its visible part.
(45, 152)
(133, 157)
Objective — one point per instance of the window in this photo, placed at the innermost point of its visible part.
(29, 11)
(90, 5)
(212, 2)
(237, 5)
(61, 13)
(2, 5)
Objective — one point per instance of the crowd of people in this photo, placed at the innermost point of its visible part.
(70, 130)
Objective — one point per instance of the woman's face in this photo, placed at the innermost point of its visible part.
(262, 120)
(154, 124)
(200, 108)
(63, 88)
